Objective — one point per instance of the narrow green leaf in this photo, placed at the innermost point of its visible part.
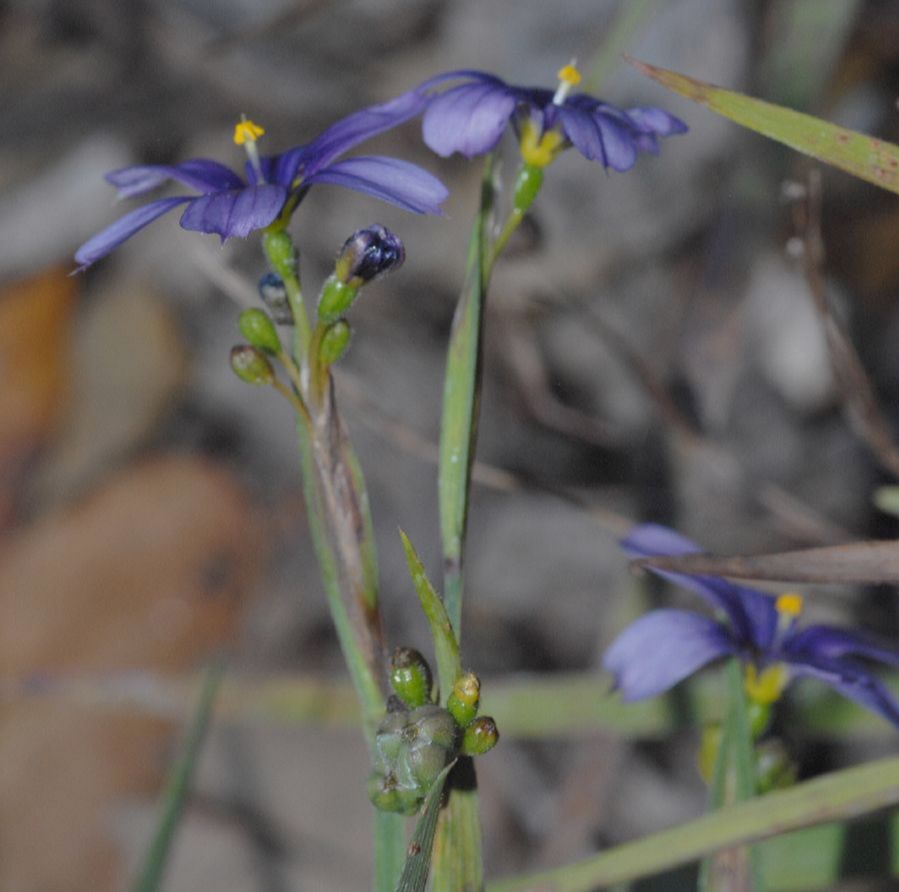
(840, 795)
(459, 419)
(862, 156)
(458, 865)
(390, 849)
(177, 786)
(418, 857)
(446, 648)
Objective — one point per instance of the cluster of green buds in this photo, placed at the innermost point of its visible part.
(418, 738)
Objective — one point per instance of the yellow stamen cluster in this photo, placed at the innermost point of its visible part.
(246, 132)
(789, 604)
(765, 687)
(569, 74)
(539, 149)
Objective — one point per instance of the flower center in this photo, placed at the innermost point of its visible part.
(765, 687)
(246, 133)
(537, 148)
(569, 77)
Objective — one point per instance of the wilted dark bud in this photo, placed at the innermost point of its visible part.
(274, 296)
(774, 769)
(259, 330)
(410, 677)
(251, 365)
(463, 699)
(480, 736)
(281, 253)
(367, 254)
(334, 342)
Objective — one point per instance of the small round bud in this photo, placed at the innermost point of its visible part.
(251, 365)
(281, 253)
(274, 296)
(334, 342)
(410, 677)
(527, 185)
(480, 736)
(259, 330)
(464, 698)
(336, 298)
(367, 254)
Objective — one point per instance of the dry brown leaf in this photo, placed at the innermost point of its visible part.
(149, 572)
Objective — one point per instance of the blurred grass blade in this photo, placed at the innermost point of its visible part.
(862, 156)
(857, 562)
(629, 19)
(177, 786)
(461, 397)
(843, 794)
(446, 648)
(418, 858)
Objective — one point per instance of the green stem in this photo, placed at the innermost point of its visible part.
(177, 786)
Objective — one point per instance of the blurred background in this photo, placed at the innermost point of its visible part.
(652, 352)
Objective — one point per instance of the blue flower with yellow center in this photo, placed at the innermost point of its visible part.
(231, 205)
(665, 646)
(472, 116)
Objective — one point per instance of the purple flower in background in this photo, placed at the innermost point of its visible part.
(233, 206)
(665, 646)
(471, 118)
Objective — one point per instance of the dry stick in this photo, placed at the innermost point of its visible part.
(860, 402)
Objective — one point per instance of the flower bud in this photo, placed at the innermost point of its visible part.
(281, 253)
(759, 716)
(527, 185)
(335, 300)
(410, 677)
(251, 365)
(774, 769)
(259, 330)
(274, 296)
(367, 254)
(334, 342)
(463, 699)
(480, 736)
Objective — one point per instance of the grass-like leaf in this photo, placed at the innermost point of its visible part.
(862, 156)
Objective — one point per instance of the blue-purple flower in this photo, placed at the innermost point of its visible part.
(472, 116)
(230, 205)
(665, 646)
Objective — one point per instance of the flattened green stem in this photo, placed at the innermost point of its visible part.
(177, 788)
(843, 794)
(390, 849)
(289, 274)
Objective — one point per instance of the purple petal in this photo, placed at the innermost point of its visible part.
(397, 182)
(751, 612)
(829, 643)
(853, 683)
(103, 242)
(198, 173)
(470, 118)
(235, 213)
(656, 120)
(662, 648)
(600, 137)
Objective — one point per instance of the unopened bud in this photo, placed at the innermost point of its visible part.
(336, 298)
(774, 769)
(480, 736)
(281, 253)
(410, 677)
(367, 254)
(463, 699)
(274, 296)
(251, 365)
(259, 330)
(334, 342)
(527, 185)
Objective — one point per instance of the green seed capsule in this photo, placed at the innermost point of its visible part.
(334, 342)
(432, 724)
(759, 715)
(464, 698)
(281, 253)
(251, 365)
(386, 795)
(527, 185)
(336, 298)
(480, 736)
(410, 677)
(259, 330)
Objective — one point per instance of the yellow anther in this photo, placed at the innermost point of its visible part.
(569, 74)
(789, 604)
(246, 132)
(766, 686)
(539, 149)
